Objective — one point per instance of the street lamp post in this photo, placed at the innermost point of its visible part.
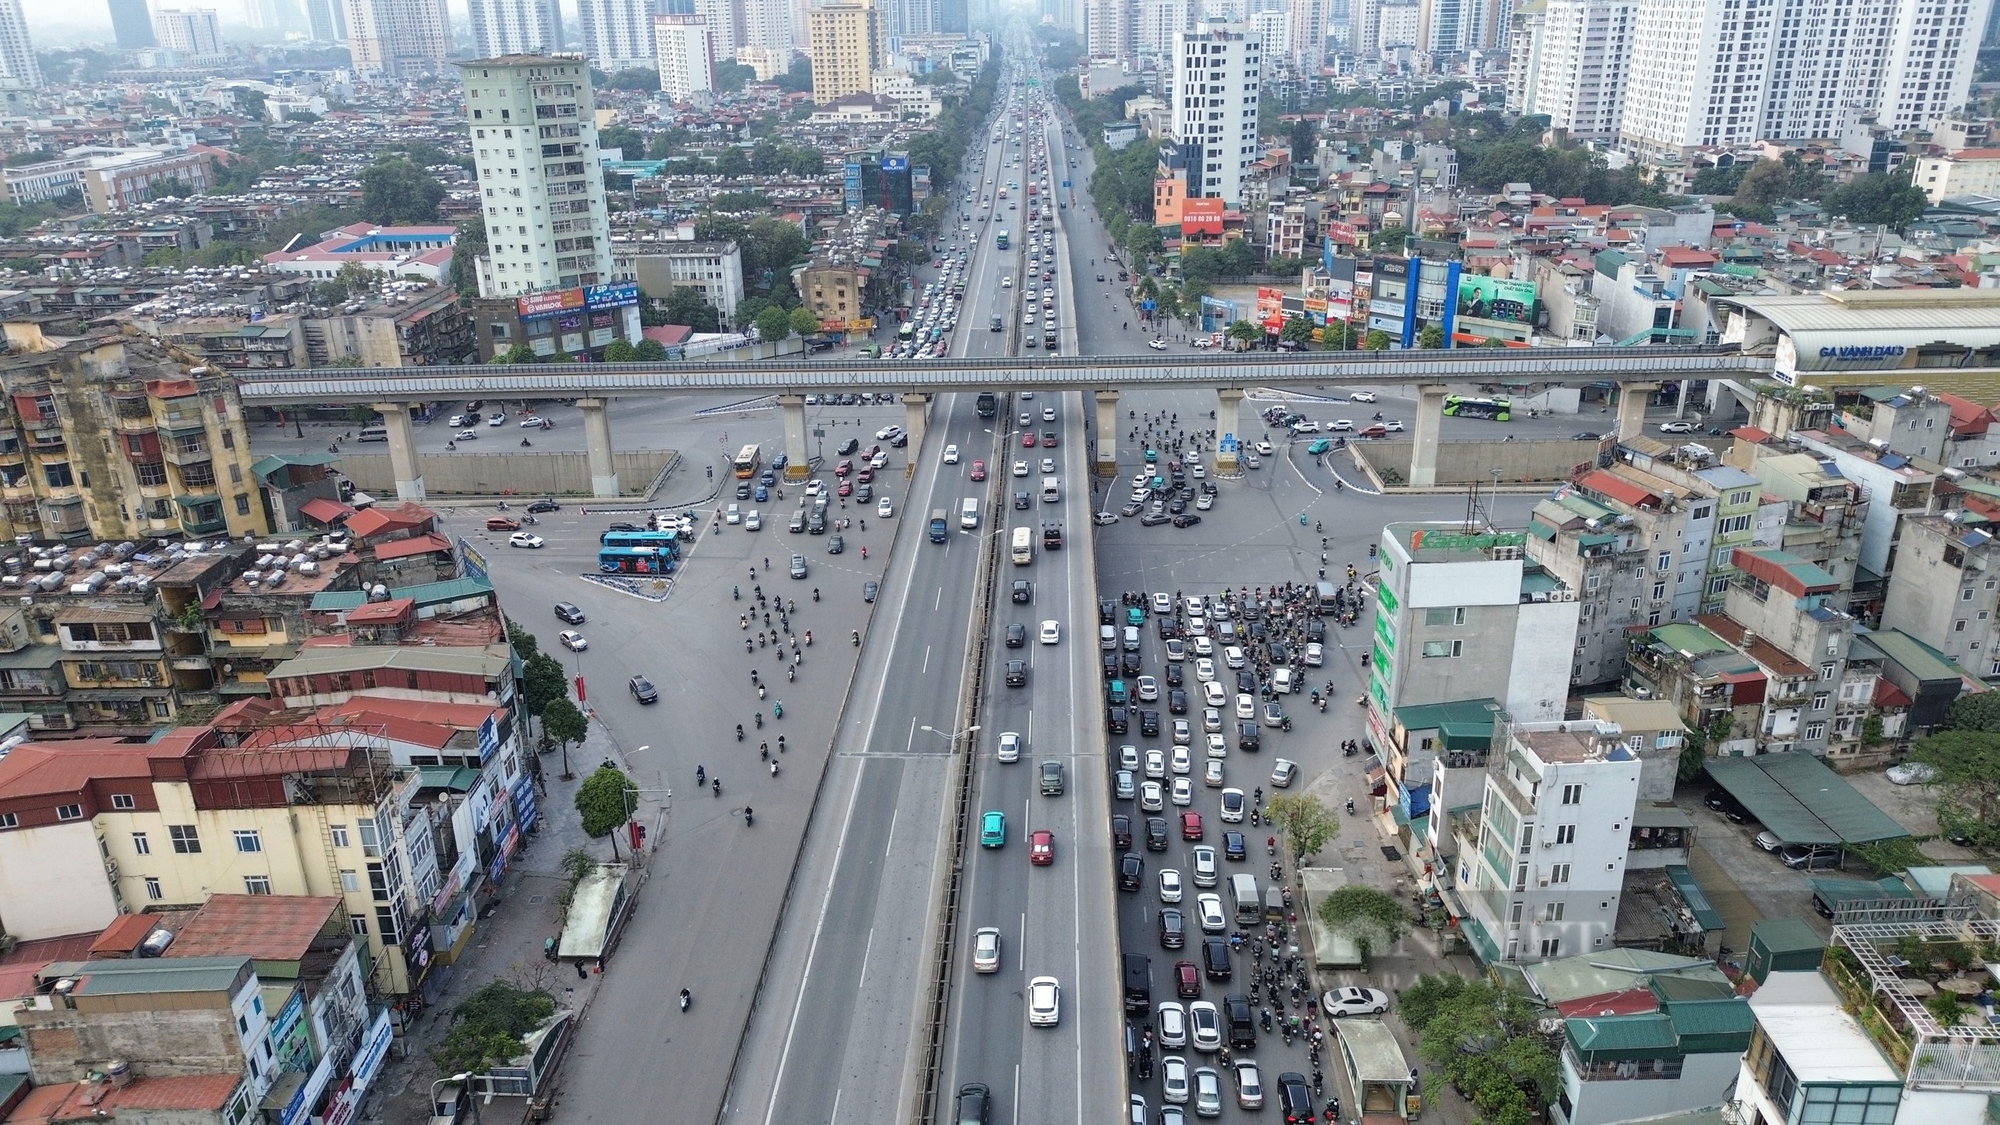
(951, 739)
(461, 1078)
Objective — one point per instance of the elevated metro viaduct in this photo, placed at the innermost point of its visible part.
(1637, 371)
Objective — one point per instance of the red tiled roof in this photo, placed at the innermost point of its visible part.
(1625, 1002)
(261, 927)
(1967, 417)
(1751, 434)
(1597, 480)
(393, 610)
(80, 1101)
(374, 521)
(43, 769)
(1686, 256)
(404, 548)
(322, 510)
(123, 935)
(459, 716)
(1888, 694)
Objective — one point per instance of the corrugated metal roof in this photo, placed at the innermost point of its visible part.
(1914, 656)
(1802, 801)
(1935, 311)
(1704, 912)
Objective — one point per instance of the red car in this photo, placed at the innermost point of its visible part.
(1375, 431)
(846, 488)
(844, 468)
(1041, 847)
(979, 470)
(1191, 826)
(1048, 439)
(1187, 979)
(1028, 441)
(865, 476)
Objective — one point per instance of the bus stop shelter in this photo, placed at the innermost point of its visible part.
(1383, 1084)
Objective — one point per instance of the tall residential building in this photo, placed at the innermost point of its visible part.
(17, 51)
(846, 46)
(194, 32)
(617, 34)
(1364, 21)
(327, 21)
(725, 20)
(1580, 69)
(1524, 54)
(1307, 37)
(1218, 71)
(132, 24)
(686, 57)
(1702, 76)
(393, 38)
(515, 27)
(1119, 29)
(767, 25)
(534, 142)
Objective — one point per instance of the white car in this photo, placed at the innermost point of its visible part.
(455, 420)
(1170, 1019)
(753, 520)
(1203, 859)
(1183, 792)
(1170, 885)
(1051, 632)
(888, 433)
(1232, 656)
(467, 435)
(1677, 427)
(1048, 465)
(733, 514)
(1183, 734)
(1020, 468)
(1284, 771)
(1180, 761)
(524, 539)
(1207, 1092)
(1393, 425)
(886, 508)
(1148, 688)
(1354, 1002)
(986, 950)
(1361, 396)
(879, 460)
(1910, 773)
(1152, 798)
(1212, 694)
(1315, 654)
(1156, 764)
(572, 640)
(1174, 1080)
(1204, 502)
(1263, 448)
(497, 420)
(1044, 1002)
(1203, 646)
(1212, 774)
(1205, 1026)
(1009, 748)
(1204, 670)
(1249, 1084)
(533, 422)
(1246, 706)
(1177, 648)
(1048, 413)
(1232, 805)
(951, 455)
(814, 487)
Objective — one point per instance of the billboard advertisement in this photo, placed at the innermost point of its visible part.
(549, 303)
(1343, 234)
(613, 296)
(1201, 216)
(1270, 303)
(1496, 298)
(851, 183)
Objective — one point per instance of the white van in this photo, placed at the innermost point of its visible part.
(1243, 896)
(968, 514)
(1051, 490)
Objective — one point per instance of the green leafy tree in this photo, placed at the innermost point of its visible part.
(396, 191)
(1483, 1039)
(731, 76)
(1719, 181)
(1373, 920)
(1143, 240)
(487, 1027)
(1978, 712)
(630, 141)
(767, 158)
(1245, 332)
(798, 79)
(1888, 198)
(1430, 336)
(562, 721)
(1305, 821)
(618, 351)
(526, 645)
(1965, 781)
(518, 354)
(804, 322)
(650, 351)
(774, 324)
(686, 305)
(640, 79)
(731, 163)
(605, 801)
(465, 252)
(1767, 183)
(1389, 240)
(1376, 341)
(808, 161)
(543, 681)
(1297, 330)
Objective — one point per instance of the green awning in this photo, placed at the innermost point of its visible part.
(1705, 915)
(197, 500)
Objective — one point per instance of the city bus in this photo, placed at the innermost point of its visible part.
(1493, 409)
(746, 462)
(1000, 240)
(666, 542)
(635, 560)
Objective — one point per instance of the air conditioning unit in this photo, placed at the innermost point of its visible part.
(1542, 882)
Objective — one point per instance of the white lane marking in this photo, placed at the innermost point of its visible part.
(890, 846)
(835, 1114)
(862, 983)
(927, 661)
(937, 603)
(1017, 1094)
(910, 738)
(1021, 947)
(812, 952)
(1031, 726)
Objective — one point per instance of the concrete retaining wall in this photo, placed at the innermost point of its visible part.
(494, 474)
(1467, 462)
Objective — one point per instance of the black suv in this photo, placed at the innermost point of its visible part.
(973, 1097)
(1017, 673)
(1248, 737)
(1236, 1013)
(1173, 929)
(847, 447)
(642, 690)
(567, 611)
(1177, 703)
(1131, 871)
(1215, 958)
(1149, 723)
(1156, 833)
(1115, 721)
(1017, 635)
(1024, 590)
(1121, 831)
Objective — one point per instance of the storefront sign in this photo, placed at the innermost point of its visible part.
(549, 303)
(1856, 353)
(616, 295)
(1446, 541)
(1496, 298)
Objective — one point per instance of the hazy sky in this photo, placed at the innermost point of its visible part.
(60, 22)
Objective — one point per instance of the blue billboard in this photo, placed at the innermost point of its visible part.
(613, 296)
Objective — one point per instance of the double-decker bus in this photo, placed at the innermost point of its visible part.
(746, 462)
(1492, 409)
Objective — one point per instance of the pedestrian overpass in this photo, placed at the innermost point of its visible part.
(392, 390)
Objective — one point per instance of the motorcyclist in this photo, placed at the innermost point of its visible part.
(715, 785)
(687, 998)
(700, 775)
